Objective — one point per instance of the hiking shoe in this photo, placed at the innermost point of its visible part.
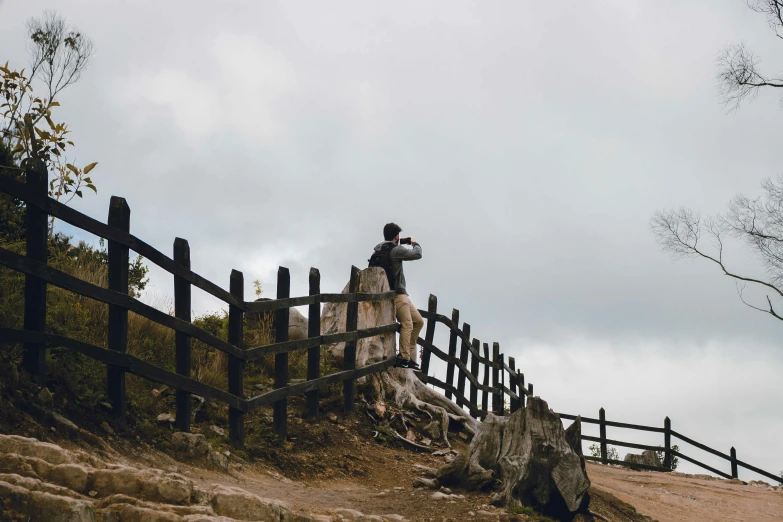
(406, 363)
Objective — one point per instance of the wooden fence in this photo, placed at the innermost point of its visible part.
(483, 368)
(507, 381)
(471, 367)
(666, 449)
(38, 274)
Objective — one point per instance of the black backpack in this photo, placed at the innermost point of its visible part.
(382, 258)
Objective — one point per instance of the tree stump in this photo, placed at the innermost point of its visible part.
(395, 387)
(529, 459)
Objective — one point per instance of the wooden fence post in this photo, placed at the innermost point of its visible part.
(485, 393)
(182, 309)
(236, 385)
(452, 352)
(530, 389)
(432, 308)
(522, 392)
(512, 384)
(667, 443)
(349, 355)
(117, 340)
(463, 356)
(464, 350)
(313, 354)
(497, 396)
(734, 473)
(34, 358)
(474, 369)
(280, 407)
(602, 426)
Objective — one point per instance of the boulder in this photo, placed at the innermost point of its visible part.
(647, 458)
(239, 504)
(297, 325)
(263, 324)
(44, 507)
(373, 349)
(190, 445)
(34, 448)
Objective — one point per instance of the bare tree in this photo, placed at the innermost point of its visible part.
(58, 55)
(756, 222)
(739, 76)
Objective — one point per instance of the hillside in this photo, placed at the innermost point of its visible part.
(338, 469)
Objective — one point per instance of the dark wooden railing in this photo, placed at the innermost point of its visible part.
(471, 367)
(38, 274)
(666, 449)
(508, 383)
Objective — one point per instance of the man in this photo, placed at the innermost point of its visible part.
(409, 317)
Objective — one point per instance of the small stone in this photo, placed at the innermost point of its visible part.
(92, 493)
(426, 442)
(332, 418)
(192, 445)
(219, 460)
(155, 393)
(218, 430)
(165, 417)
(433, 430)
(446, 490)
(410, 436)
(425, 483)
(45, 396)
(107, 428)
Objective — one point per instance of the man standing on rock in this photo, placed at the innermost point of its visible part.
(391, 254)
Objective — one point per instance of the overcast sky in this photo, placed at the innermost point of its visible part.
(524, 144)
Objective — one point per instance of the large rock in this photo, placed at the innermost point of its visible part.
(647, 458)
(190, 445)
(264, 321)
(371, 314)
(533, 458)
(42, 506)
(240, 505)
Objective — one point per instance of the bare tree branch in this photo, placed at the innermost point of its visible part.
(679, 232)
(738, 74)
(770, 310)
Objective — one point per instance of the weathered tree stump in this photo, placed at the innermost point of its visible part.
(529, 459)
(397, 388)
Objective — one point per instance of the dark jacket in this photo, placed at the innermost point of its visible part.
(399, 254)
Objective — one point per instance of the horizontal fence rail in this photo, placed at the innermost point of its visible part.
(666, 449)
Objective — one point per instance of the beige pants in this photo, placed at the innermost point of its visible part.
(411, 324)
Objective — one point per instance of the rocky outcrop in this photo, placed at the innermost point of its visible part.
(373, 349)
(46, 483)
(647, 458)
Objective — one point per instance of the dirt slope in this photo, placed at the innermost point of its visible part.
(675, 497)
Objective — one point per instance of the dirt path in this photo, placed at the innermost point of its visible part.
(675, 497)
